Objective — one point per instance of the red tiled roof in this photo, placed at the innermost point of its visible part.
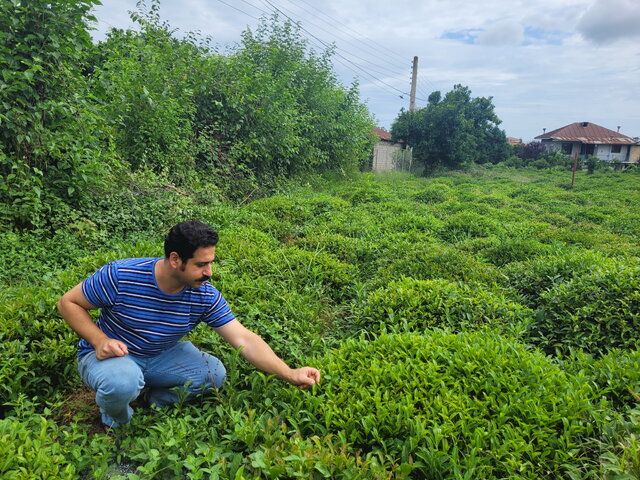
(382, 133)
(586, 132)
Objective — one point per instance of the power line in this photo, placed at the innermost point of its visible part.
(319, 43)
(337, 53)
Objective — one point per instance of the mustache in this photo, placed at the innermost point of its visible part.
(204, 278)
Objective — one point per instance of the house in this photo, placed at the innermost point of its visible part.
(514, 141)
(388, 155)
(585, 138)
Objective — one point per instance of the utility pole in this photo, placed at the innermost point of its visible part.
(414, 78)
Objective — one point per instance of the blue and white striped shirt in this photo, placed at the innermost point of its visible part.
(135, 311)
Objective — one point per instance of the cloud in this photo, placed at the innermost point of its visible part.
(502, 33)
(609, 20)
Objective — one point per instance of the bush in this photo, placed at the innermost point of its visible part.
(534, 277)
(417, 305)
(429, 260)
(595, 312)
(472, 405)
(435, 193)
(468, 224)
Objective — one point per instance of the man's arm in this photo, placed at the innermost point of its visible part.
(257, 352)
(74, 308)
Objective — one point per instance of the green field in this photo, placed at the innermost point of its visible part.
(474, 325)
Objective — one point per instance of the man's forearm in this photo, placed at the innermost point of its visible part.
(257, 352)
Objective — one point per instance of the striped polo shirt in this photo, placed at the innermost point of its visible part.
(135, 311)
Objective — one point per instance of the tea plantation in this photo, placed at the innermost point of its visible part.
(473, 325)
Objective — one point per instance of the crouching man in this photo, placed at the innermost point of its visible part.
(146, 306)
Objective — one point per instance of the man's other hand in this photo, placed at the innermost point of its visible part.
(110, 347)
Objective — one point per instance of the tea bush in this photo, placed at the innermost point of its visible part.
(594, 312)
(430, 260)
(534, 277)
(32, 445)
(468, 224)
(434, 193)
(417, 305)
(472, 405)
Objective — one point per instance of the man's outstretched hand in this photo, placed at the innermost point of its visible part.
(304, 377)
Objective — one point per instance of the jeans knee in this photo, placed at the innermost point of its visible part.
(122, 387)
(218, 375)
(215, 373)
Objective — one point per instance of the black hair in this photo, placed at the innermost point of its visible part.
(186, 237)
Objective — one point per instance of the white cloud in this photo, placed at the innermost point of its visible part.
(610, 20)
(504, 32)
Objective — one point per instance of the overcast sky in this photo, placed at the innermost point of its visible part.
(546, 63)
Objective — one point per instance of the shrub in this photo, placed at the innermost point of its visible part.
(417, 305)
(514, 249)
(534, 277)
(435, 193)
(428, 260)
(472, 405)
(595, 312)
(468, 224)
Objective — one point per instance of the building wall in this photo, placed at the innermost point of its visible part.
(634, 155)
(384, 156)
(603, 152)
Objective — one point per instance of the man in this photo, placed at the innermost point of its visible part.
(147, 306)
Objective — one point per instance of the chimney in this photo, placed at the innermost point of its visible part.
(618, 128)
(584, 124)
(544, 131)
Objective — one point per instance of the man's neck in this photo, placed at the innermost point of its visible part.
(166, 282)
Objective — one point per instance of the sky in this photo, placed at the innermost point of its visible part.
(545, 63)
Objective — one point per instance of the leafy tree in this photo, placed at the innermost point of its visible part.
(453, 130)
(47, 149)
(278, 108)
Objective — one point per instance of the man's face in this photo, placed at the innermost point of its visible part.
(197, 270)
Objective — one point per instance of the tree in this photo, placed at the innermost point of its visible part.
(452, 130)
(47, 151)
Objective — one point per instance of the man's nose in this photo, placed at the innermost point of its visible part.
(207, 270)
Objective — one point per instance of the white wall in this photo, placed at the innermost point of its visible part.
(384, 156)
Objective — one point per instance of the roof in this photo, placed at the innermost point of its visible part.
(586, 132)
(382, 133)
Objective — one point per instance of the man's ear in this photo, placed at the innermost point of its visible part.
(174, 260)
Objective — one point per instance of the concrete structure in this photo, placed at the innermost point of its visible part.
(388, 155)
(586, 139)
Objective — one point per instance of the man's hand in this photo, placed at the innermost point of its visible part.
(110, 347)
(304, 377)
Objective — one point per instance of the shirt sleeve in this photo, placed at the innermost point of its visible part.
(101, 288)
(219, 313)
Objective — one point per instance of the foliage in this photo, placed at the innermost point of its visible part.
(594, 312)
(529, 151)
(453, 130)
(438, 401)
(328, 266)
(50, 153)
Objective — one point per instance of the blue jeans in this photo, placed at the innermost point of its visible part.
(118, 381)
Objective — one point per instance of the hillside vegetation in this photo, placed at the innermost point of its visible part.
(472, 325)
(475, 324)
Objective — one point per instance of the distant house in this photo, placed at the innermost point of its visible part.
(585, 138)
(388, 155)
(514, 141)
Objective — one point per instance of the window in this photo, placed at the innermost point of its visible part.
(567, 147)
(616, 148)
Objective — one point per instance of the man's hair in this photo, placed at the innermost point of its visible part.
(186, 237)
